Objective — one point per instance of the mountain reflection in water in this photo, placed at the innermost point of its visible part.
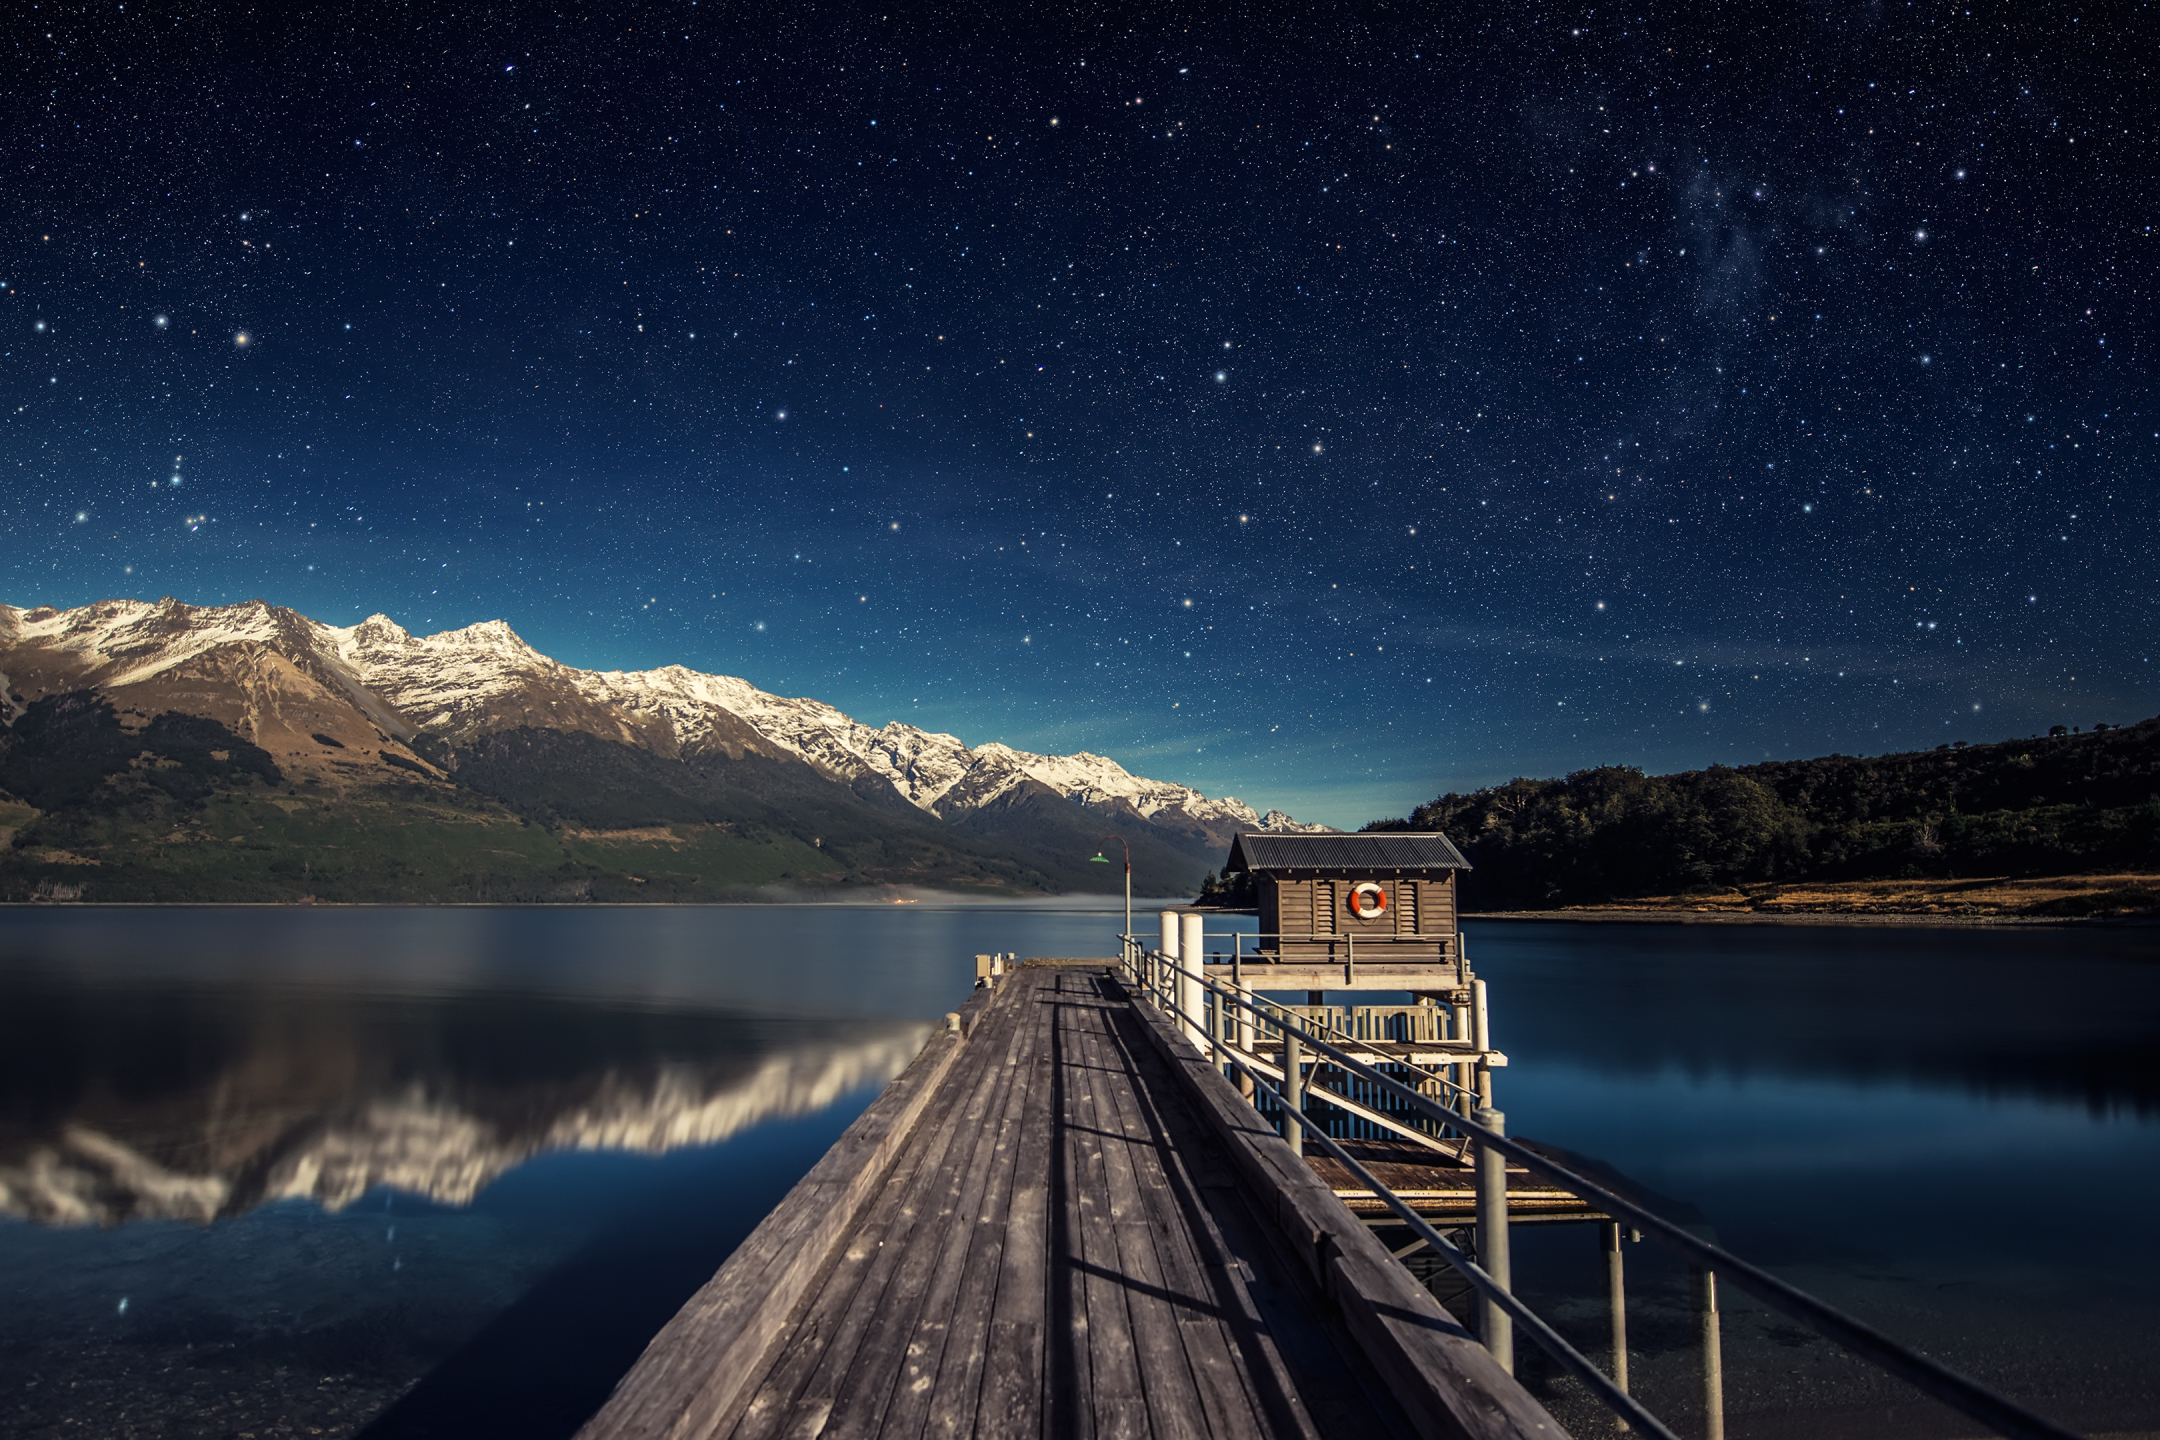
(415, 1171)
(181, 1104)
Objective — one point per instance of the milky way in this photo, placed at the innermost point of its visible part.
(1324, 406)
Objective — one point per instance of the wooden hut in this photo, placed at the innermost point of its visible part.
(1380, 898)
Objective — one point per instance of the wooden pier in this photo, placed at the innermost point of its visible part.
(1061, 1221)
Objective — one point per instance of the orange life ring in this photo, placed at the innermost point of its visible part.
(1368, 901)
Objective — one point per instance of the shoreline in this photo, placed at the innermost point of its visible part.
(1808, 917)
(2128, 898)
(1077, 904)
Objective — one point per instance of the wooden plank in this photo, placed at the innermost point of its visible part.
(1444, 1380)
(1115, 1396)
(1305, 1378)
(1309, 1380)
(832, 1330)
(703, 1363)
(1126, 1405)
(863, 1392)
(1067, 1381)
(954, 1399)
(1117, 1389)
(1037, 1238)
(972, 1239)
(1299, 973)
(805, 1384)
(800, 1390)
(1013, 1386)
(1185, 1244)
(1166, 1375)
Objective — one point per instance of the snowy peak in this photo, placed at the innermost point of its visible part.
(375, 632)
(458, 684)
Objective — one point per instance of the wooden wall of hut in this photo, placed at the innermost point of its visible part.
(1319, 906)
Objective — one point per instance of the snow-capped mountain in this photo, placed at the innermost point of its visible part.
(287, 682)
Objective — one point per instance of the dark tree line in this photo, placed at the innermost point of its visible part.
(2057, 804)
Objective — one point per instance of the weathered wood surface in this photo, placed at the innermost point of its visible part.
(1374, 970)
(1053, 1230)
(1445, 1381)
(1438, 1187)
(697, 1369)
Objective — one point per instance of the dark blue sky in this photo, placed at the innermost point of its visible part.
(1326, 406)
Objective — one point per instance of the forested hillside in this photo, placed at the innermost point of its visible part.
(2050, 805)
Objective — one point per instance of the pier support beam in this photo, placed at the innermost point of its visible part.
(1713, 1355)
(1495, 1327)
(1616, 1299)
(1481, 1036)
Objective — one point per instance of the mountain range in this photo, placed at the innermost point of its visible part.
(168, 751)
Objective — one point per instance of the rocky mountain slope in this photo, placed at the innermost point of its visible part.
(479, 713)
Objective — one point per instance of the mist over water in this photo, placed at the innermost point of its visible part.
(416, 1172)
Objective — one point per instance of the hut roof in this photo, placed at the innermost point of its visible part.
(1382, 850)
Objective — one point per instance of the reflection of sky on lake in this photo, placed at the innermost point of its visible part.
(1831, 1089)
(1950, 1132)
(1954, 1134)
(324, 1155)
(1804, 1169)
(2059, 1012)
(903, 962)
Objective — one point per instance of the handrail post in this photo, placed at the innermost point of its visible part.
(1713, 1353)
(1495, 1328)
(1485, 1127)
(1293, 1071)
(1616, 1298)
(1246, 1039)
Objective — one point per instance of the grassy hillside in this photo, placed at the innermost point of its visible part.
(182, 809)
(2047, 805)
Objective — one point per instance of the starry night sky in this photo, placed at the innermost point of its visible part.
(1324, 406)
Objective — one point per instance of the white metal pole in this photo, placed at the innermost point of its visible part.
(1616, 1300)
(1293, 1088)
(1481, 1037)
(1192, 954)
(1495, 1326)
(1168, 949)
(1245, 1040)
(1713, 1357)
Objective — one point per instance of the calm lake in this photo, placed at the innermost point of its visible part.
(443, 1172)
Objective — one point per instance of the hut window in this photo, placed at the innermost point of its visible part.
(1406, 906)
(1323, 896)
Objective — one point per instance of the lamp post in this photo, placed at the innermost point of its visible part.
(1101, 859)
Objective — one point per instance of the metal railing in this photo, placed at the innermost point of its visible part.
(1448, 941)
(1153, 972)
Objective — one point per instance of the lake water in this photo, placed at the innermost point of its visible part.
(443, 1172)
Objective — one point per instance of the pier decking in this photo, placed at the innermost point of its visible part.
(1061, 1221)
